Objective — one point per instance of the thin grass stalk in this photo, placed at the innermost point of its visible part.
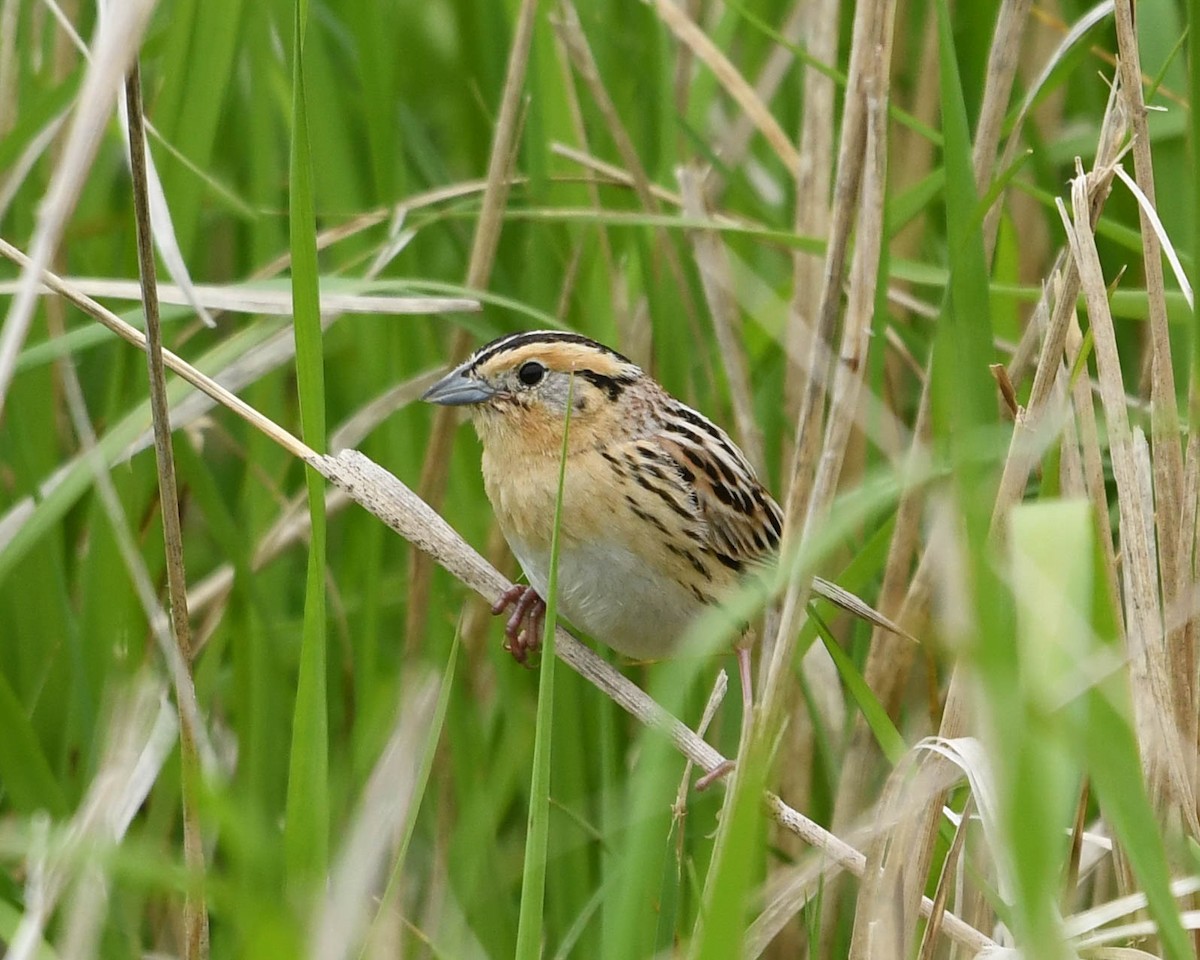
(869, 63)
(1093, 467)
(1074, 859)
(930, 937)
(569, 30)
(864, 281)
(712, 263)
(731, 80)
(1073, 36)
(435, 469)
(195, 913)
(813, 176)
(8, 65)
(1004, 56)
(1034, 424)
(1071, 481)
(851, 368)
(811, 217)
(307, 823)
(1168, 457)
(533, 877)
(627, 338)
(817, 363)
(682, 77)
(734, 141)
(890, 657)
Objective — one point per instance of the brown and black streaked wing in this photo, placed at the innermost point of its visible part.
(742, 522)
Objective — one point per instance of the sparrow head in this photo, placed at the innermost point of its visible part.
(517, 387)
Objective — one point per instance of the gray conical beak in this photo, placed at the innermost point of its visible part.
(458, 389)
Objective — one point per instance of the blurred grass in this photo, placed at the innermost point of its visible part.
(299, 695)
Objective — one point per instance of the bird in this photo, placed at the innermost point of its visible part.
(663, 517)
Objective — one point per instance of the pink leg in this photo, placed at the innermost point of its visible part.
(743, 659)
(723, 770)
(523, 631)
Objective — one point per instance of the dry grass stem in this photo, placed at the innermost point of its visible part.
(505, 138)
(712, 263)
(890, 657)
(813, 176)
(734, 142)
(386, 804)
(1040, 422)
(1144, 623)
(248, 298)
(730, 79)
(195, 914)
(116, 44)
(1004, 56)
(570, 33)
(867, 88)
(173, 363)
(1164, 417)
(140, 738)
(930, 937)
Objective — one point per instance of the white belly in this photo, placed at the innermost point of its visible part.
(614, 596)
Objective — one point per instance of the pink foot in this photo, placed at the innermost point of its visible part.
(523, 632)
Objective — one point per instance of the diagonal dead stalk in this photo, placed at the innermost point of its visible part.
(402, 510)
(690, 34)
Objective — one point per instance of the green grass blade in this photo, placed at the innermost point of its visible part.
(890, 740)
(533, 886)
(308, 805)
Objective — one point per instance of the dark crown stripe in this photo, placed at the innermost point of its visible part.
(515, 341)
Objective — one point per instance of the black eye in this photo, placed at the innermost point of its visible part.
(531, 373)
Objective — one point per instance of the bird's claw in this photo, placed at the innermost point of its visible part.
(523, 631)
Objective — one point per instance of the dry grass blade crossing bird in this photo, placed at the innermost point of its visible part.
(662, 515)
